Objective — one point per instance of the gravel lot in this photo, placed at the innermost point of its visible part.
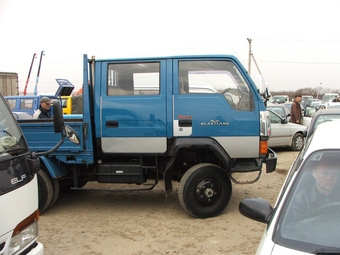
(142, 222)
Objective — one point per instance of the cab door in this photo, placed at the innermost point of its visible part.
(133, 106)
(213, 99)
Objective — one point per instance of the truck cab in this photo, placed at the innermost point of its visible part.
(19, 212)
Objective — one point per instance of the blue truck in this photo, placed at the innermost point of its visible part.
(143, 123)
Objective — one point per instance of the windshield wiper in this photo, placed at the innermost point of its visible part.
(15, 150)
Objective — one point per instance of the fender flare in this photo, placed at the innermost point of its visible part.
(208, 143)
(55, 168)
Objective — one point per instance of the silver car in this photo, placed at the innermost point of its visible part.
(306, 216)
(284, 133)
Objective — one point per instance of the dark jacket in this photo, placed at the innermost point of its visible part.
(296, 113)
(42, 114)
(307, 202)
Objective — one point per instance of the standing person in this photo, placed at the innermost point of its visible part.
(296, 113)
(44, 109)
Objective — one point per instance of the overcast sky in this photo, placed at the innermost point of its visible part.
(296, 43)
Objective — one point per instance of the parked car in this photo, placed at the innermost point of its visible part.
(284, 133)
(329, 105)
(321, 116)
(306, 100)
(22, 116)
(292, 229)
(280, 99)
(316, 103)
(280, 109)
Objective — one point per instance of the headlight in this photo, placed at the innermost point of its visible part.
(23, 238)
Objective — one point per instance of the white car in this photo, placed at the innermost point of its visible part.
(304, 219)
(284, 133)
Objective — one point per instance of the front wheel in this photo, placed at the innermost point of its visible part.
(298, 142)
(204, 190)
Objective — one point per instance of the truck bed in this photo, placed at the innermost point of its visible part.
(40, 137)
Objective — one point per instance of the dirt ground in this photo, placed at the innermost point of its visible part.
(142, 222)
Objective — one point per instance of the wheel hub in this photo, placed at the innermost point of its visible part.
(207, 192)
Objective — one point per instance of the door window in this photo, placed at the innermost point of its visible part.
(220, 77)
(133, 79)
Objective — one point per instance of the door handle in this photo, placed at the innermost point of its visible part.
(112, 124)
(185, 123)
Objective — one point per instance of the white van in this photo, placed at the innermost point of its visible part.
(18, 190)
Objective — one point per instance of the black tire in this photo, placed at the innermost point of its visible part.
(298, 142)
(45, 189)
(204, 190)
(56, 191)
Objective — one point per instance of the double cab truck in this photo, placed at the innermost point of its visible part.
(144, 120)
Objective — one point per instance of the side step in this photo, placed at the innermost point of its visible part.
(120, 173)
(123, 173)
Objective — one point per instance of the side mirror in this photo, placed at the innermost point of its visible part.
(256, 209)
(57, 117)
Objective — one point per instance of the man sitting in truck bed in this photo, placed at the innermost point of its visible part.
(44, 109)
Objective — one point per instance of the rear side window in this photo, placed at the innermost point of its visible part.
(26, 104)
(133, 79)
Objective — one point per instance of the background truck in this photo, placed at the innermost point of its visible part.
(30, 103)
(131, 134)
(9, 84)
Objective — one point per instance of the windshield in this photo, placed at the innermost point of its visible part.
(328, 97)
(326, 118)
(280, 99)
(11, 142)
(309, 220)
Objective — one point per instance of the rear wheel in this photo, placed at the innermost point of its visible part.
(204, 190)
(298, 142)
(45, 188)
(56, 191)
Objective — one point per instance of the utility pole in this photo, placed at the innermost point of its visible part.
(250, 54)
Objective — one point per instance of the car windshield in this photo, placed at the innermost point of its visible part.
(326, 118)
(279, 110)
(11, 142)
(310, 217)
